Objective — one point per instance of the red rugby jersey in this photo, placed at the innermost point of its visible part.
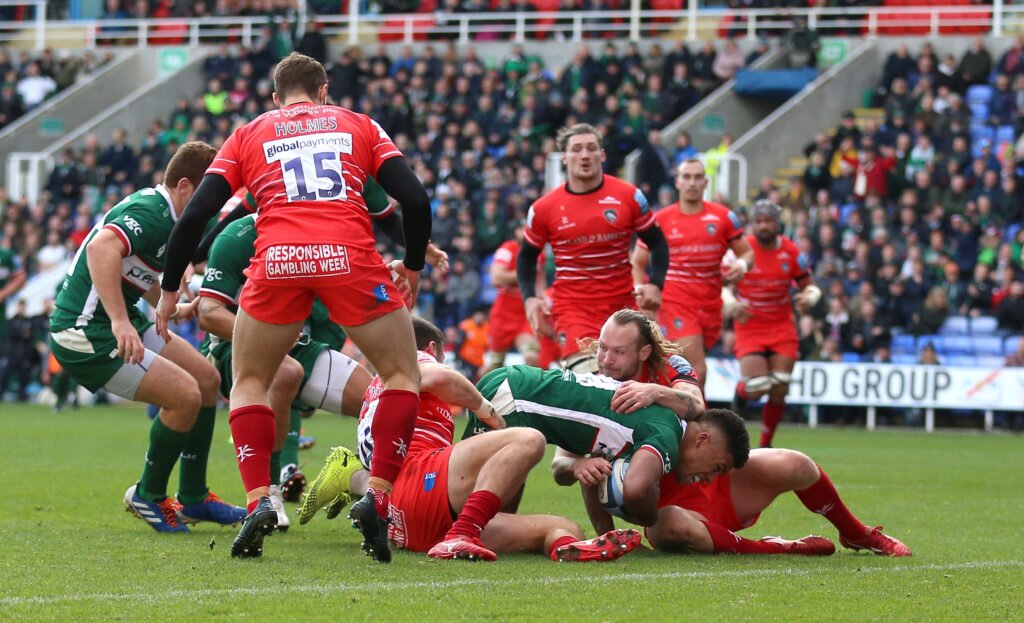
(435, 426)
(766, 288)
(696, 245)
(508, 304)
(306, 165)
(590, 235)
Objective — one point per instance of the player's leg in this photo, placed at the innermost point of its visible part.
(528, 347)
(771, 472)
(484, 472)
(281, 394)
(390, 347)
(755, 380)
(336, 384)
(781, 366)
(543, 534)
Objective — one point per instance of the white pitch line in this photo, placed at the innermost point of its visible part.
(465, 582)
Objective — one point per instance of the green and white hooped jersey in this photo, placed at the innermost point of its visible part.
(143, 222)
(574, 412)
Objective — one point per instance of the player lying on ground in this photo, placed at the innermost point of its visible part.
(704, 517)
(767, 345)
(474, 478)
(574, 412)
(102, 340)
(315, 240)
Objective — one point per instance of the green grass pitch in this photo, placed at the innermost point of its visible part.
(68, 551)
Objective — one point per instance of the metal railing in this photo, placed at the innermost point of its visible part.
(691, 23)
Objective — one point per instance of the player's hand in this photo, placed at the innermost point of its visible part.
(185, 289)
(734, 272)
(407, 281)
(591, 472)
(536, 310)
(129, 344)
(438, 259)
(185, 311)
(648, 297)
(632, 396)
(166, 307)
(486, 414)
(740, 312)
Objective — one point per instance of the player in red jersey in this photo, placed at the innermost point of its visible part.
(508, 324)
(699, 234)
(589, 223)
(704, 517)
(767, 345)
(474, 478)
(306, 164)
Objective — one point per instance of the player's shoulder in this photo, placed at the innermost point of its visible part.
(509, 246)
(241, 228)
(149, 203)
(612, 183)
(788, 245)
(716, 208)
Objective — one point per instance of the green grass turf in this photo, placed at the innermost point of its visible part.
(68, 552)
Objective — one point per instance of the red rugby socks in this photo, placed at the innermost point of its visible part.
(392, 430)
(823, 499)
(771, 415)
(480, 508)
(729, 542)
(253, 431)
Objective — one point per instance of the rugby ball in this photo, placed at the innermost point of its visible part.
(610, 492)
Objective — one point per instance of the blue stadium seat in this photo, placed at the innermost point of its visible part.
(1010, 344)
(983, 325)
(955, 325)
(852, 358)
(979, 111)
(904, 358)
(987, 345)
(1005, 134)
(1010, 232)
(991, 361)
(958, 345)
(936, 340)
(966, 361)
(979, 93)
(904, 343)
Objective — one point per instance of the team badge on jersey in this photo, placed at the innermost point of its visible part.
(678, 322)
(611, 215)
(711, 229)
(785, 267)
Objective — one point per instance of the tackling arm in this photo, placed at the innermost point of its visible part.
(567, 468)
(216, 318)
(640, 488)
(455, 389)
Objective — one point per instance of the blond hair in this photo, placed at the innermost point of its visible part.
(578, 129)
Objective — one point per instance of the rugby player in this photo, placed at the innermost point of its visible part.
(704, 517)
(507, 323)
(699, 234)
(589, 223)
(447, 499)
(307, 163)
(102, 340)
(574, 412)
(767, 345)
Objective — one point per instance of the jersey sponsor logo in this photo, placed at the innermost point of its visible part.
(133, 225)
(709, 217)
(213, 274)
(429, 480)
(339, 142)
(135, 272)
(611, 216)
(286, 261)
(317, 124)
(565, 224)
(381, 293)
(785, 267)
(609, 200)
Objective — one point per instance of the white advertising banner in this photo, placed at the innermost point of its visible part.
(886, 385)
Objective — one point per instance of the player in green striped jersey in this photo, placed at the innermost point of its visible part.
(574, 412)
(102, 340)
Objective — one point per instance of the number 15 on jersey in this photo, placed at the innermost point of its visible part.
(311, 165)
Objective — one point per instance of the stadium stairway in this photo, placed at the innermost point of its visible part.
(795, 166)
(128, 94)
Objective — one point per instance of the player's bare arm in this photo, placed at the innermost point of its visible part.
(683, 398)
(732, 307)
(454, 388)
(640, 488)
(216, 318)
(808, 296)
(568, 468)
(744, 260)
(104, 254)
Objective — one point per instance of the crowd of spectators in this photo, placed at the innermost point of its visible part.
(27, 81)
(915, 218)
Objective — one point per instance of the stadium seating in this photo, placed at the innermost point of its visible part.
(955, 325)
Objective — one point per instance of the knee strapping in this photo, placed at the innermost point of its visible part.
(582, 364)
(781, 377)
(758, 384)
